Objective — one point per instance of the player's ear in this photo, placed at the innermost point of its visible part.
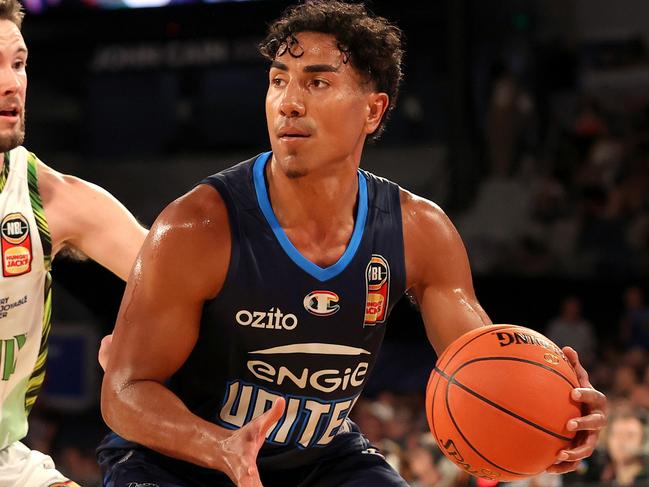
(377, 104)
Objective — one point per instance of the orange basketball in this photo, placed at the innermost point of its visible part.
(498, 402)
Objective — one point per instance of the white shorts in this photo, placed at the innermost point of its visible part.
(22, 467)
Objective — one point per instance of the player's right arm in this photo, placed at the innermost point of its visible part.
(87, 218)
(182, 263)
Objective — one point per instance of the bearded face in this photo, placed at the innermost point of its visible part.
(13, 85)
(14, 136)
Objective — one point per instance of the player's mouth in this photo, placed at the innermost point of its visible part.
(10, 114)
(289, 134)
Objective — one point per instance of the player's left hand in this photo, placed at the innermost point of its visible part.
(588, 426)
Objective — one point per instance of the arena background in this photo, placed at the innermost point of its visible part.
(527, 121)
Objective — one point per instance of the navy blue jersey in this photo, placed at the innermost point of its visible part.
(283, 326)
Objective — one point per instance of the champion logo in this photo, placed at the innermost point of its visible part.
(322, 303)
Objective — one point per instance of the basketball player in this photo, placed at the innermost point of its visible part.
(41, 213)
(258, 302)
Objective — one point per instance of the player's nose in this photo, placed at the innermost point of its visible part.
(292, 102)
(10, 82)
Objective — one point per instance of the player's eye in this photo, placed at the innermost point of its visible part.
(278, 82)
(319, 83)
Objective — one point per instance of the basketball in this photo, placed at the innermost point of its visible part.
(498, 402)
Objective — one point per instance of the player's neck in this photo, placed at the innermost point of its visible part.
(324, 198)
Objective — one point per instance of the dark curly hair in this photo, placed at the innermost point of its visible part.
(371, 43)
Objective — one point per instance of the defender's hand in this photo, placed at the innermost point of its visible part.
(240, 449)
(588, 426)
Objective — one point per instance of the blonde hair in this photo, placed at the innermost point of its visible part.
(13, 11)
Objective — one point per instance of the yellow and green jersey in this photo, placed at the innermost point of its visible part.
(25, 292)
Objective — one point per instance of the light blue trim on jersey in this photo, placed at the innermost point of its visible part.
(321, 274)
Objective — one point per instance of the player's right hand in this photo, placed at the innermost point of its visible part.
(241, 447)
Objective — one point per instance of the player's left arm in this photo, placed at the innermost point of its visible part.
(439, 278)
(88, 218)
(438, 275)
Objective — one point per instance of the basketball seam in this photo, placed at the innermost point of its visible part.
(452, 379)
(517, 359)
(488, 329)
(450, 414)
(491, 328)
(432, 408)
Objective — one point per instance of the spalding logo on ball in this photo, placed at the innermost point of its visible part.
(498, 402)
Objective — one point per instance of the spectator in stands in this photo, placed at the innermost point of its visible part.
(625, 381)
(626, 445)
(570, 328)
(634, 325)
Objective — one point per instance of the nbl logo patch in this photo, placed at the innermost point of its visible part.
(16, 245)
(377, 279)
(321, 303)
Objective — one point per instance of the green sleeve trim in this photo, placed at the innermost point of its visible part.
(39, 212)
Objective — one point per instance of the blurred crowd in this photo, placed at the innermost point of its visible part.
(566, 182)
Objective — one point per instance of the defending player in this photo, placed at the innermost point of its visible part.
(41, 213)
